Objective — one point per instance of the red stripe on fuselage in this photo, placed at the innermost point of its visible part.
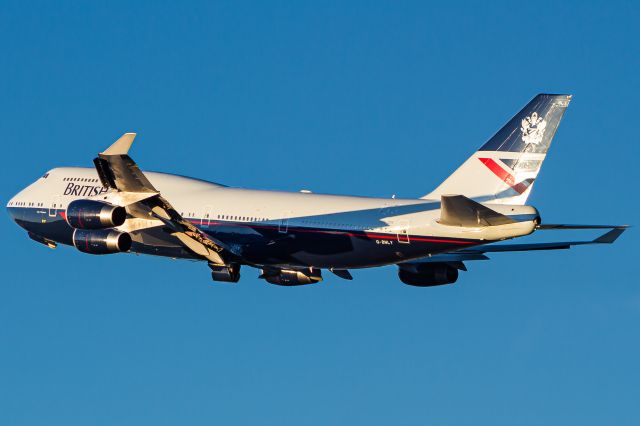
(333, 231)
(507, 177)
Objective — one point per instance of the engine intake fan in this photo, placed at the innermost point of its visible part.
(91, 214)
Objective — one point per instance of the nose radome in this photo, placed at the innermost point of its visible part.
(14, 200)
(22, 198)
(11, 206)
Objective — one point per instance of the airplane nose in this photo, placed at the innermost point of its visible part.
(13, 206)
(11, 210)
(16, 206)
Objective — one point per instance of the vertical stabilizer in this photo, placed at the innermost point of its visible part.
(504, 169)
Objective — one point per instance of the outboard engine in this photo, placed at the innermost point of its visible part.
(429, 275)
(91, 214)
(101, 241)
(292, 277)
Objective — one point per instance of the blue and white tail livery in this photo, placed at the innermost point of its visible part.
(292, 237)
(505, 168)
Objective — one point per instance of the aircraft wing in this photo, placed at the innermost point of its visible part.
(131, 189)
(479, 253)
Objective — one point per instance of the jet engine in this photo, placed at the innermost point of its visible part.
(292, 277)
(429, 275)
(101, 241)
(90, 214)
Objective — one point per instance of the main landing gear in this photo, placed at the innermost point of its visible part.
(225, 273)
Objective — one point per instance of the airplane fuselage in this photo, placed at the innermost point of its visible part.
(298, 229)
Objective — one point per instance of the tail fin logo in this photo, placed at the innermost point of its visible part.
(533, 129)
(506, 177)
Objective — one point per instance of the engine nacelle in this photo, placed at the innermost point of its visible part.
(101, 241)
(291, 277)
(90, 214)
(429, 275)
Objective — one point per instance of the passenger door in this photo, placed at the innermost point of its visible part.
(207, 216)
(403, 232)
(283, 224)
(56, 204)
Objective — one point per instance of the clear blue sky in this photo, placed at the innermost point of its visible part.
(360, 98)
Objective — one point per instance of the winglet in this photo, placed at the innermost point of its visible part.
(121, 146)
(610, 236)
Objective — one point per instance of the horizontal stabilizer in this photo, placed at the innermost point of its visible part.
(610, 236)
(551, 226)
(458, 210)
(456, 259)
(607, 238)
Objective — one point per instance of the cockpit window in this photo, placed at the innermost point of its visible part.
(46, 175)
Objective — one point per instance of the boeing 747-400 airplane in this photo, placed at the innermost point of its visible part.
(292, 236)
